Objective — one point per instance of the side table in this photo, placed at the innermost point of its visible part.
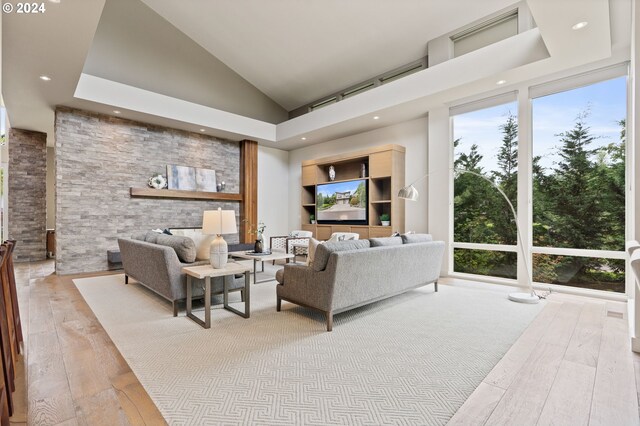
(207, 272)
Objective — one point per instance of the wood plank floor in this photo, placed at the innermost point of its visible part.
(571, 366)
(74, 374)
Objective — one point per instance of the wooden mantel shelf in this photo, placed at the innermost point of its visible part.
(192, 195)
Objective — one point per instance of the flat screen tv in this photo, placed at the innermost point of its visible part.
(342, 202)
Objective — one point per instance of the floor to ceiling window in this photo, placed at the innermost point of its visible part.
(484, 233)
(579, 186)
(577, 183)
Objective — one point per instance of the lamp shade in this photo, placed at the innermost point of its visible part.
(219, 222)
(408, 193)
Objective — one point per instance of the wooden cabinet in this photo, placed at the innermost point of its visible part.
(385, 170)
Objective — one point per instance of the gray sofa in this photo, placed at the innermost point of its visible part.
(158, 268)
(348, 274)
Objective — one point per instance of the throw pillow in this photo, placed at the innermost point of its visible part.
(139, 236)
(311, 252)
(323, 251)
(386, 241)
(201, 241)
(416, 238)
(151, 237)
(184, 247)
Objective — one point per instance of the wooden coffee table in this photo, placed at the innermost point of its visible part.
(206, 272)
(261, 258)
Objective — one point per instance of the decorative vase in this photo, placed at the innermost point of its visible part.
(313, 222)
(363, 170)
(332, 173)
(158, 182)
(259, 246)
(385, 222)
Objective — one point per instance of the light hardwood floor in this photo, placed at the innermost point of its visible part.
(74, 373)
(572, 366)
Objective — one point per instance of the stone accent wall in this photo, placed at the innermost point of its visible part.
(27, 193)
(98, 158)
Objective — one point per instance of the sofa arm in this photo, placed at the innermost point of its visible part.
(304, 285)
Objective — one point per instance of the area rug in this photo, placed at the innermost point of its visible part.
(411, 359)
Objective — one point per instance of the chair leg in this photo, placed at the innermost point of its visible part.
(126, 279)
(329, 321)
(278, 304)
(242, 295)
(175, 308)
(435, 284)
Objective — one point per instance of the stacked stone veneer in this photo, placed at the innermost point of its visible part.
(99, 158)
(27, 193)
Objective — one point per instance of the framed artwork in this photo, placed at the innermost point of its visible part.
(191, 178)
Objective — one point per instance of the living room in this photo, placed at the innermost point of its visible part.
(320, 213)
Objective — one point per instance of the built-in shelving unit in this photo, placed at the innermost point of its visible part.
(192, 195)
(385, 169)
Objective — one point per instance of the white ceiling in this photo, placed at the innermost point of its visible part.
(298, 51)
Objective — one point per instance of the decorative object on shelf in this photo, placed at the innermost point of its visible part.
(157, 181)
(363, 170)
(385, 219)
(332, 173)
(220, 186)
(409, 192)
(312, 218)
(191, 178)
(219, 222)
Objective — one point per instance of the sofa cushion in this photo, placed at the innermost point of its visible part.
(385, 241)
(416, 238)
(323, 251)
(184, 247)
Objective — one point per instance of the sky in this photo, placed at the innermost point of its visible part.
(552, 114)
(331, 189)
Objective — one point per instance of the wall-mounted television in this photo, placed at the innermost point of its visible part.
(343, 202)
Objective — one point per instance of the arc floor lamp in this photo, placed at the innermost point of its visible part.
(409, 192)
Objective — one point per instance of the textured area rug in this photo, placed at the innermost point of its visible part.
(411, 359)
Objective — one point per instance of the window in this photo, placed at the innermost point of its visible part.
(485, 142)
(579, 186)
(489, 32)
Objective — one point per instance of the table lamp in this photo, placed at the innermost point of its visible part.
(219, 222)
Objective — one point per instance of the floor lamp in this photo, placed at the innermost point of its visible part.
(409, 192)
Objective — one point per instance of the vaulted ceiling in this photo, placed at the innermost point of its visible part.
(234, 68)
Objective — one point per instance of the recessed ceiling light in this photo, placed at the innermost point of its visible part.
(500, 82)
(115, 111)
(376, 118)
(54, 1)
(303, 138)
(45, 78)
(202, 130)
(580, 25)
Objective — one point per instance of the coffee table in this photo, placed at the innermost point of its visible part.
(206, 272)
(261, 258)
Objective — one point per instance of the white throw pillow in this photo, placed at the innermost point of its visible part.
(313, 245)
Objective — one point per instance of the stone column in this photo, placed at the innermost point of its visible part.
(27, 209)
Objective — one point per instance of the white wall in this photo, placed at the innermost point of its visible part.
(51, 189)
(273, 191)
(413, 135)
